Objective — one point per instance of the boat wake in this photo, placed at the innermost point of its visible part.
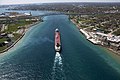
(58, 73)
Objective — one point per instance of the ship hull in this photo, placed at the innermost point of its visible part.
(57, 41)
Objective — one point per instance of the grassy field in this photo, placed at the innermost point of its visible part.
(117, 33)
(16, 36)
(2, 40)
(13, 27)
(2, 48)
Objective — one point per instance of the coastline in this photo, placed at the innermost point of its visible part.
(93, 41)
(16, 41)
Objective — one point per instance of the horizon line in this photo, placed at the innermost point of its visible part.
(58, 2)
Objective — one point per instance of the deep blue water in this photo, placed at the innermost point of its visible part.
(34, 57)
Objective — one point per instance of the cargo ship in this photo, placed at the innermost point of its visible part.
(57, 41)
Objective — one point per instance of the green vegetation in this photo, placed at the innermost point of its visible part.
(104, 22)
(14, 26)
(16, 36)
(23, 22)
(2, 40)
(83, 26)
(2, 48)
(117, 33)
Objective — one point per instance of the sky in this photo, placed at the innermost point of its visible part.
(2, 2)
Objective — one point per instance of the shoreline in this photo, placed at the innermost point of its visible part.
(92, 41)
(16, 41)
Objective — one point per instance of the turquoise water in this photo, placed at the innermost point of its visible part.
(34, 57)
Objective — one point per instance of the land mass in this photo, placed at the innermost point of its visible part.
(13, 26)
(99, 22)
